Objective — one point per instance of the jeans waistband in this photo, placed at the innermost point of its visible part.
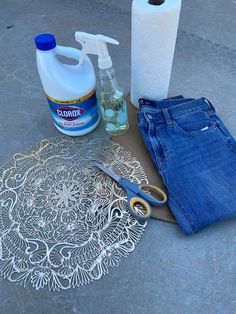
(169, 109)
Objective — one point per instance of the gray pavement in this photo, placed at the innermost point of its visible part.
(168, 272)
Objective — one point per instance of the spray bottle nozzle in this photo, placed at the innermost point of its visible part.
(97, 45)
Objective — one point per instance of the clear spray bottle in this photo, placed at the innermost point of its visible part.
(111, 98)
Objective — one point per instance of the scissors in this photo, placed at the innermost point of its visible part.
(138, 195)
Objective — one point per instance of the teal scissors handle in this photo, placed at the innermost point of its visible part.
(136, 195)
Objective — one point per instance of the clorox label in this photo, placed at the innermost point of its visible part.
(69, 113)
(76, 114)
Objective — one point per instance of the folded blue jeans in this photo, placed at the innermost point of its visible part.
(196, 156)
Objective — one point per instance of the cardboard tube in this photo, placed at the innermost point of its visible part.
(156, 2)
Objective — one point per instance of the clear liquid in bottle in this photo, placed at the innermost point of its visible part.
(112, 102)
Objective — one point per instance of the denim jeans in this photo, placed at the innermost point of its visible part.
(196, 157)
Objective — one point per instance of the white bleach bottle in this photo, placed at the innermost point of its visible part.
(70, 89)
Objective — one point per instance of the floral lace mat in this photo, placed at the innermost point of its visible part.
(63, 222)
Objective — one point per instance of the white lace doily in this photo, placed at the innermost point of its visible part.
(64, 223)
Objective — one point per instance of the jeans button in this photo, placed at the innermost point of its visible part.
(141, 101)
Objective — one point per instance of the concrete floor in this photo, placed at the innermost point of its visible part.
(168, 272)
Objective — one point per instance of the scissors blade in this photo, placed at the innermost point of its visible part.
(108, 171)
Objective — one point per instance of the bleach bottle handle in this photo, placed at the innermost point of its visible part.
(68, 52)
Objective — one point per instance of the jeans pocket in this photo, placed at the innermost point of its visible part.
(194, 123)
(158, 147)
(231, 142)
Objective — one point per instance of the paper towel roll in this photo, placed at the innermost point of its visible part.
(154, 30)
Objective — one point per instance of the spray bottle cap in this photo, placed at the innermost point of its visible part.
(97, 45)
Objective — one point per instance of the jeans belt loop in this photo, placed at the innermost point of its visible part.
(212, 112)
(167, 116)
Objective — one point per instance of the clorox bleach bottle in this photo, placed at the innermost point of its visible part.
(70, 89)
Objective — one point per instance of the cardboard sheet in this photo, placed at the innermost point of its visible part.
(132, 140)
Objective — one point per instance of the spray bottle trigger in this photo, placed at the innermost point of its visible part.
(95, 44)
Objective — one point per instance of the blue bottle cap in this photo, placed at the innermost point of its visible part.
(45, 42)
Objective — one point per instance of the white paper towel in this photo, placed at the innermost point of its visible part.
(154, 30)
